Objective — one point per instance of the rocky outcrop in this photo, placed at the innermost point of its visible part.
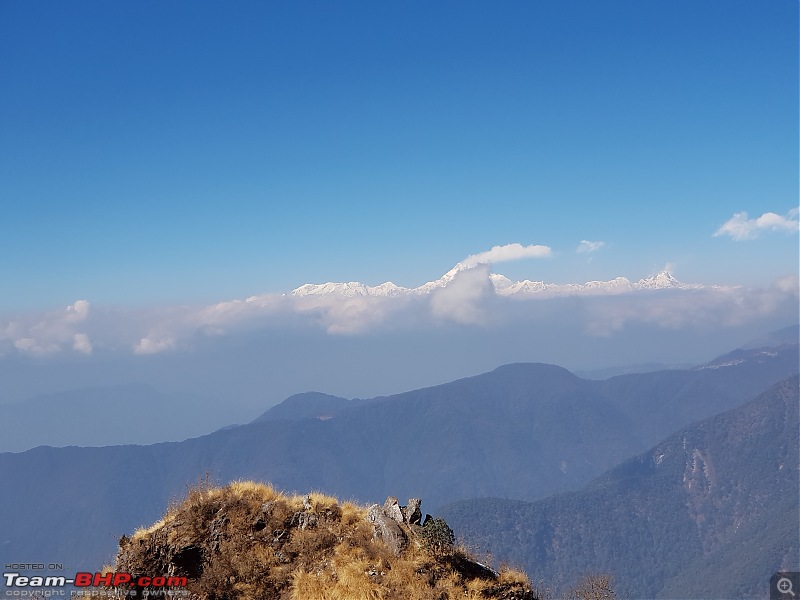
(249, 541)
(387, 530)
(391, 508)
(411, 513)
(388, 522)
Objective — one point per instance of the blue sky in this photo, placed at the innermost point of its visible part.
(156, 153)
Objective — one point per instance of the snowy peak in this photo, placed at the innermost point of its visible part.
(618, 284)
(388, 289)
(350, 290)
(503, 286)
(500, 282)
(527, 288)
(662, 281)
(443, 281)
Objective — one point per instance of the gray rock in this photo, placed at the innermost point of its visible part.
(391, 508)
(303, 520)
(387, 529)
(412, 513)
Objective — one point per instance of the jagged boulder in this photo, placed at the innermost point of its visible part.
(387, 529)
(411, 512)
(394, 524)
(391, 508)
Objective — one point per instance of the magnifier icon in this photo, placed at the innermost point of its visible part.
(784, 586)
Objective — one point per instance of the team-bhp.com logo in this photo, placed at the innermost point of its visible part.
(123, 579)
(83, 579)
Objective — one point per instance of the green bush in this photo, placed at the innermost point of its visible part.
(437, 537)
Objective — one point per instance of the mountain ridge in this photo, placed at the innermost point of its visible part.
(522, 431)
(501, 285)
(671, 519)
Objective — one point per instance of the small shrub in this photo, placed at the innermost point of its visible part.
(593, 587)
(437, 537)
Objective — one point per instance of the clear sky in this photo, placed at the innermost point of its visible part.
(188, 151)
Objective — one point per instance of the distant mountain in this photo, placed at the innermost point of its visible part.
(92, 417)
(711, 512)
(308, 405)
(788, 336)
(503, 286)
(782, 337)
(626, 370)
(522, 431)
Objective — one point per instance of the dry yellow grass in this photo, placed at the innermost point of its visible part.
(248, 541)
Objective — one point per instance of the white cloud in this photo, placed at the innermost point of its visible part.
(150, 345)
(220, 317)
(698, 309)
(48, 333)
(460, 301)
(78, 311)
(346, 314)
(506, 253)
(788, 284)
(586, 246)
(81, 343)
(740, 227)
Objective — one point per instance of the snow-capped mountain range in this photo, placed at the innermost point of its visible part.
(503, 286)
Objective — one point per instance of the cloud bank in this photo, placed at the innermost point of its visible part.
(48, 333)
(462, 301)
(468, 296)
(467, 301)
(740, 227)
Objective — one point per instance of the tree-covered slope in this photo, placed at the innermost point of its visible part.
(712, 511)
